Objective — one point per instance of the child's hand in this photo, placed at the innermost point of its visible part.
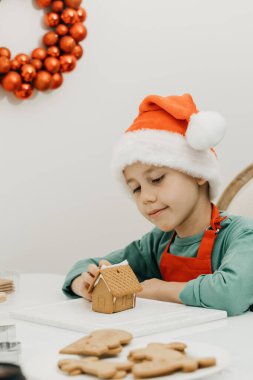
(160, 290)
(81, 284)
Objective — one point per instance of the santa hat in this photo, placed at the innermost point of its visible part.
(170, 131)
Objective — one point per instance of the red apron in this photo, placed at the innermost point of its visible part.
(183, 269)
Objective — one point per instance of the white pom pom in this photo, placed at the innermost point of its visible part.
(205, 130)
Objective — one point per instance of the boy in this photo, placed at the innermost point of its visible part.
(196, 254)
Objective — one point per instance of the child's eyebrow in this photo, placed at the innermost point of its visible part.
(148, 171)
(130, 180)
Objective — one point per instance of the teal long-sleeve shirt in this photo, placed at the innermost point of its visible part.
(229, 287)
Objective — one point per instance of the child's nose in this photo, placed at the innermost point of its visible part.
(148, 195)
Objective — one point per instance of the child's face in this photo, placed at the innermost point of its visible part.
(164, 196)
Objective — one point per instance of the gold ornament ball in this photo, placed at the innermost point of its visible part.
(24, 92)
(43, 80)
(11, 81)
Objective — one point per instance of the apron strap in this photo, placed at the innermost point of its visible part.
(171, 240)
(208, 239)
(210, 235)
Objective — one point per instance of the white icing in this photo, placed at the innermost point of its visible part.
(100, 277)
(125, 262)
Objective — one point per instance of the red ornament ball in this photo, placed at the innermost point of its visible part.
(39, 53)
(73, 3)
(57, 80)
(69, 16)
(53, 51)
(37, 64)
(5, 52)
(28, 72)
(81, 14)
(25, 91)
(43, 3)
(67, 44)
(77, 51)
(52, 65)
(57, 6)
(43, 81)
(23, 59)
(62, 30)
(50, 38)
(15, 65)
(52, 19)
(78, 31)
(5, 65)
(11, 81)
(68, 63)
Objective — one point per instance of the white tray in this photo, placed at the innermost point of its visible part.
(148, 317)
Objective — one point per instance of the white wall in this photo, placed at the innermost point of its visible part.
(57, 201)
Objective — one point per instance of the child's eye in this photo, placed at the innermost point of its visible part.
(159, 179)
(136, 189)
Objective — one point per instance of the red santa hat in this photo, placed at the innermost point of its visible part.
(170, 131)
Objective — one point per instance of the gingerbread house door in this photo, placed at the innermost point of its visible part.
(102, 299)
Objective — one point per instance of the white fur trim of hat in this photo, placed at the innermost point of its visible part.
(155, 147)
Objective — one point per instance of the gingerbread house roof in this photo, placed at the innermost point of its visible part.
(120, 280)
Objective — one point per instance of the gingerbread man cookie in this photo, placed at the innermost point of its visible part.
(106, 342)
(93, 366)
(158, 359)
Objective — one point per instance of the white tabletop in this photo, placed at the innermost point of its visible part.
(234, 334)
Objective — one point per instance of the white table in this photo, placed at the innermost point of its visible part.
(234, 334)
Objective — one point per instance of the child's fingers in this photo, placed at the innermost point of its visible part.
(103, 262)
(93, 270)
(87, 278)
(85, 294)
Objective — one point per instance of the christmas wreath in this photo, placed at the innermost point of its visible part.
(43, 69)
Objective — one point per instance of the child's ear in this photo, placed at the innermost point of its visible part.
(201, 181)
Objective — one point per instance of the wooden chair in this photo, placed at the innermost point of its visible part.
(237, 198)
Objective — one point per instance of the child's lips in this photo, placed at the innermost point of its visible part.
(157, 212)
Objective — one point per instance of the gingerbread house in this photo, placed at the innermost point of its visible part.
(114, 289)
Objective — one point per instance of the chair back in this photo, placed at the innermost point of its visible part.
(237, 198)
